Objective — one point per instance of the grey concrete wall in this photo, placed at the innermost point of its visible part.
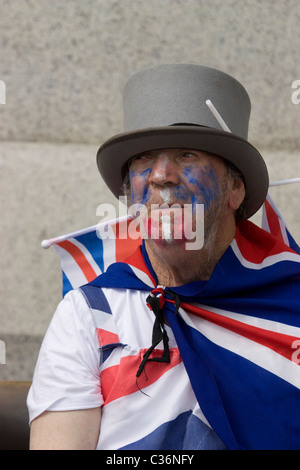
(64, 63)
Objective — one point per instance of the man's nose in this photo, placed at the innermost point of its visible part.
(164, 170)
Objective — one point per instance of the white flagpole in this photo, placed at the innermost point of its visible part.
(53, 241)
(288, 181)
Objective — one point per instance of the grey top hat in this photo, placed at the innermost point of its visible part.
(165, 107)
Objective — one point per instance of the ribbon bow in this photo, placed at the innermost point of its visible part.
(155, 302)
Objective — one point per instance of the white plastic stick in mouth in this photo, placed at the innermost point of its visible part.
(217, 116)
(166, 227)
(166, 195)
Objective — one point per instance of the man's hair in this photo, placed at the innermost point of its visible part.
(125, 175)
(233, 172)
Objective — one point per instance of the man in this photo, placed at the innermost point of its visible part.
(179, 348)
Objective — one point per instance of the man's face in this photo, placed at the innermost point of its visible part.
(176, 176)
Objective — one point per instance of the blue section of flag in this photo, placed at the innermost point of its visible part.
(95, 246)
(292, 243)
(248, 407)
(186, 432)
(96, 299)
(66, 285)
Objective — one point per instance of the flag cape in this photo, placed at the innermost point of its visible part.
(238, 333)
(239, 336)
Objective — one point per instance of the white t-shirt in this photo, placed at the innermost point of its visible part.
(66, 375)
(89, 358)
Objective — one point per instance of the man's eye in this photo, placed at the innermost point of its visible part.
(141, 156)
(188, 154)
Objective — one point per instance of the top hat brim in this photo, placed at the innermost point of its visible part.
(114, 153)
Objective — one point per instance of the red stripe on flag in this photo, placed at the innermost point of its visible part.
(80, 259)
(136, 260)
(280, 343)
(120, 380)
(125, 246)
(106, 337)
(256, 244)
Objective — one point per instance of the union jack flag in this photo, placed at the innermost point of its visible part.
(83, 257)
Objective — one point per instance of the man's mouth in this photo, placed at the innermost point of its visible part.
(163, 222)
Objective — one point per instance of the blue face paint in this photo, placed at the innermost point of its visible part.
(144, 194)
(181, 193)
(145, 173)
(206, 182)
(199, 185)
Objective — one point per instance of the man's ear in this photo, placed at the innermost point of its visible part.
(236, 194)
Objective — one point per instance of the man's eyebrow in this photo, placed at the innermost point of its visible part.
(147, 152)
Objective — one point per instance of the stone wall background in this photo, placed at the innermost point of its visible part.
(64, 63)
